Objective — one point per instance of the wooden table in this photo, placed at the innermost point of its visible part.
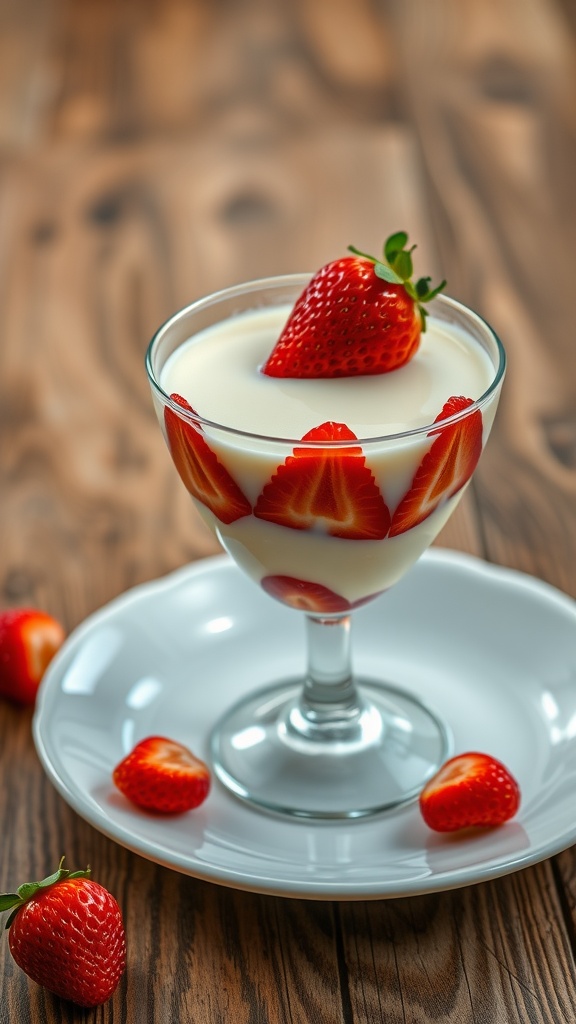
(152, 150)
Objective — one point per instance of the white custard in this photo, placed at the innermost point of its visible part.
(218, 373)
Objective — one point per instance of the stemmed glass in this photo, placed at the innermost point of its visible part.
(330, 744)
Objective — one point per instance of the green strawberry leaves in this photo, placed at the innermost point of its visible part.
(395, 244)
(15, 900)
(398, 268)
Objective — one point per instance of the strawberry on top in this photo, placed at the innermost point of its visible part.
(357, 316)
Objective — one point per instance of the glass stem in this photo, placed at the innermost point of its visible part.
(329, 704)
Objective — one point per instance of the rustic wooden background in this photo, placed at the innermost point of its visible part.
(151, 150)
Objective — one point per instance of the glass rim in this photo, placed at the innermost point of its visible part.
(301, 279)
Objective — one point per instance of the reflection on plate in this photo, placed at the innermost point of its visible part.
(492, 650)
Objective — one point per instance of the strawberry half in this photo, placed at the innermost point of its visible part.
(309, 597)
(469, 790)
(162, 775)
(357, 316)
(29, 640)
(328, 489)
(444, 469)
(67, 934)
(201, 472)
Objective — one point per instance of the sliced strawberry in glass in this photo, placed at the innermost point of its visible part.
(200, 469)
(326, 488)
(445, 468)
(309, 597)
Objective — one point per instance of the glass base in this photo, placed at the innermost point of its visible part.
(271, 754)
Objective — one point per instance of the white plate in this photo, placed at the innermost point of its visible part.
(492, 650)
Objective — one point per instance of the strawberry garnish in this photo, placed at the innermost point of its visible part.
(29, 640)
(358, 315)
(328, 489)
(309, 597)
(162, 775)
(201, 471)
(67, 934)
(445, 468)
(469, 790)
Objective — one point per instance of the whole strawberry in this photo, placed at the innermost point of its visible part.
(29, 640)
(67, 934)
(357, 316)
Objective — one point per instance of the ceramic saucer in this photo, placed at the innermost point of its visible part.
(492, 650)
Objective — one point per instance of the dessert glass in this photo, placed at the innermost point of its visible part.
(329, 744)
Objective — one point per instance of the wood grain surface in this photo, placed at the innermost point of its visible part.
(152, 150)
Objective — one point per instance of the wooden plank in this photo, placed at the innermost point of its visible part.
(498, 139)
(27, 30)
(483, 953)
(183, 146)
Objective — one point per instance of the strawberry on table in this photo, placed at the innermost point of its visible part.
(201, 471)
(328, 488)
(445, 468)
(29, 639)
(163, 776)
(470, 790)
(67, 934)
(357, 316)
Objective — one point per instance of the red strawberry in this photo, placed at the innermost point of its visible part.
(162, 775)
(201, 471)
(448, 465)
(356, 316)
(66, 933)
(469, 790)
(308, 597)
(29, 640)
(330, 488)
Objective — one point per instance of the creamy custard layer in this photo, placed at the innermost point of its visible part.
(218, 373)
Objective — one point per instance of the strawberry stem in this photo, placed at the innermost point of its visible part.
(15, 900)
(397, 268)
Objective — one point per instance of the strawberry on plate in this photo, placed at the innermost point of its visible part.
(67, 934)
(445, 468)
(357, 316)
(29, 640)
(310, 597)
(470, 790)
(329, 489)
(163, 776)
(201, 471)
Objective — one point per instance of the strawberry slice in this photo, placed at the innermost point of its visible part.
(29, 640)
(200, 470)
(445, 468)
(470, 790)
(326, 488)
(309, 597)
(162, 775)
